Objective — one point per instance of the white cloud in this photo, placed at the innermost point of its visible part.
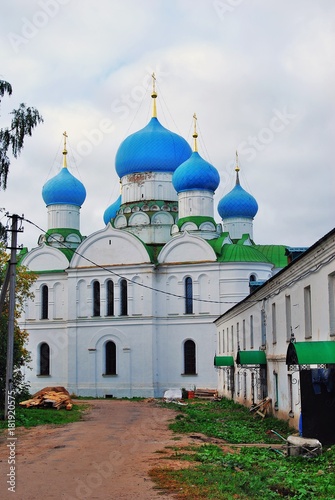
(91, 61)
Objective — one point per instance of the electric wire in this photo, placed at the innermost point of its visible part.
(305, 274)
(124, 277)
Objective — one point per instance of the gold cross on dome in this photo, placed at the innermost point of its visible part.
(153, 83)
(65, 136)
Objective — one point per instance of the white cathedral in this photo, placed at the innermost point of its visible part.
(129, 310)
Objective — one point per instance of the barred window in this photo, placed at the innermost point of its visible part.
(189, 358)
(188, 296)
(44, 359)
(110, 298)
(96, 298)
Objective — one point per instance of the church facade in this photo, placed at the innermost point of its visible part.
(129, 310)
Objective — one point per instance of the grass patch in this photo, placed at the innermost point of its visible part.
(250, 472)
(31, 417)
(253, 473)
(227, 420)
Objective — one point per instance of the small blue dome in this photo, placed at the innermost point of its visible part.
(152, 149)
(111, 211)
(195, 173)
(64, 189)
(237, 203)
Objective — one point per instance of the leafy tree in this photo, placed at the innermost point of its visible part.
(24, 120)
(24, 281)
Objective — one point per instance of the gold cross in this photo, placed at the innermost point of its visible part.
(65, 136)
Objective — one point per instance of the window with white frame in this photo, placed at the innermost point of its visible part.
(44, 357)
(243, 335)
(188, 296)
(274, 323)
(263, 327)
(44, 302)
(331, 296)
(288, 317)
(123, 297)
(189, 358)
(96, 298)
(110, 298)
(308, 312)
(232, 337)
(110, 358)
(251, 332)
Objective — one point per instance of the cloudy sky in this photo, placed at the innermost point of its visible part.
(260, 76)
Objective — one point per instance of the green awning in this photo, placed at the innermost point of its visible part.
(223, 361)
(247, 358)
(311, 353)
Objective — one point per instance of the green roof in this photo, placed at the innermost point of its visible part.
(251, 358)
(244, 238)
(241, 253)
(275, 254)
(223, 361)
(153, 250)
(311, 353)
(217, 243)
(65, 232)
(196, 219)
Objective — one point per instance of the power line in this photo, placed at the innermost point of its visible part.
(284, 286)
(128, 279)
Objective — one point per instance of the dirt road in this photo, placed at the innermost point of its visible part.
(105, 456)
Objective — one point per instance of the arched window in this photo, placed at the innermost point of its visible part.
(44, 359)
(110, 355)
(188, 296)
(110, 298)
(96, 298)
(123, 298)
(45, 302)
(189, 358)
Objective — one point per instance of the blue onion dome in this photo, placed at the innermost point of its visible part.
(112, 210)
(64, 189)
(237, 203)
(151, 149)
(195, 173)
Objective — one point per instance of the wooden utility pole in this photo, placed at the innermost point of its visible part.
(11, 311)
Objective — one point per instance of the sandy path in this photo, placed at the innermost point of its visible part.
(105, 456)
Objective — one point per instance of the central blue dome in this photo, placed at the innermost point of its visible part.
(238, 203)
(195, 173)
(152, 149)
(64, 189)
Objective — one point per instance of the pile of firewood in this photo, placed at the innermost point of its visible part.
(52, 397)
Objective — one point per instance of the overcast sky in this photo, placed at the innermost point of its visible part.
(259, 74)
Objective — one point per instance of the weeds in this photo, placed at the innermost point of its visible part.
(251, 472)
(31, 417)
(229, 421)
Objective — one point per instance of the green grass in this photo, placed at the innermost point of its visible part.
(30, 417)
(249, 472)
(229, 421)
(254, 473)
